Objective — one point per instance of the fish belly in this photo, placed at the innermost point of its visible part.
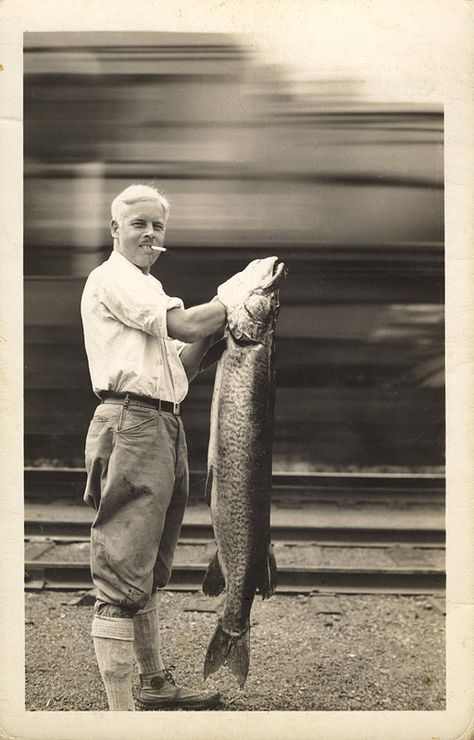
(240, 454)
(241, 488)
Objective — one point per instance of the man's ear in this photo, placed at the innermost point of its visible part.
(114, 228)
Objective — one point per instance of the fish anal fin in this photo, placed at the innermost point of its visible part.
(208, 487)
(230, 650)
(214, 581)
(267, 578)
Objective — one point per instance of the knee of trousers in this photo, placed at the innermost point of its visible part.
(120, 591)
(151, 606)
(106, 609)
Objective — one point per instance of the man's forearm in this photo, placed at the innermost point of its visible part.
(196, 323)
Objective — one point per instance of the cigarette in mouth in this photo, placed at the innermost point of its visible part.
(158, 249)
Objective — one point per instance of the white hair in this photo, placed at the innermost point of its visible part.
(134, 194)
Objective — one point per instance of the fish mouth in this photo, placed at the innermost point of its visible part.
(258, 311)
(279, 272)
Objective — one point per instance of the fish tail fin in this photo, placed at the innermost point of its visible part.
(267, 578)
(214, 581)
(230, 650)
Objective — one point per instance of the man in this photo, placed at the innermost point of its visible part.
(143, 348)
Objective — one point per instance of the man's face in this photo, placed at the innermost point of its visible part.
(142, 225)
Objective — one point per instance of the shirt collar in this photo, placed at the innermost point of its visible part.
(119, 261)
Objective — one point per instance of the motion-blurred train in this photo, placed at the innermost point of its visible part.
(348, 193)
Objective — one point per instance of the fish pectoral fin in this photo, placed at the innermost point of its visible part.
(267, 578)
(208, 487)
(213, 354)
(231, 650)
(214, 581)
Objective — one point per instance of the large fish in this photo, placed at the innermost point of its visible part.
(238, 486)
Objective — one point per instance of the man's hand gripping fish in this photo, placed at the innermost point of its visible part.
(239, 479)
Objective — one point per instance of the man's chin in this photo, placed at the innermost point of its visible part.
(146, 261)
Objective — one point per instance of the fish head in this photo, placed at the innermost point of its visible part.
(255, 316)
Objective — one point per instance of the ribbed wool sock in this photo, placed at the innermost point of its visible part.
(147, 639)
(113, 644)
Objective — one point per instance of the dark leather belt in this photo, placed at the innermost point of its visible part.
(153, 403)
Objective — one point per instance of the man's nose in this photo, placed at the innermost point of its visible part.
(149, 231)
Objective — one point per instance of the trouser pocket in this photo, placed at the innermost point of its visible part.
(133, 418)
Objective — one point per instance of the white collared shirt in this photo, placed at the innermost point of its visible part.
(125, 333)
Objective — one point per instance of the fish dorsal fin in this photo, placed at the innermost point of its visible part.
(208, 487)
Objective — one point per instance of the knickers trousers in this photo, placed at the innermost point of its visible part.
(137, 482)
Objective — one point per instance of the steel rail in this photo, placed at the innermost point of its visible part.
(67, 532)
(41, 482)
(71, 576)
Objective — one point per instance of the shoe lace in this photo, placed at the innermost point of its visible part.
(168, 675)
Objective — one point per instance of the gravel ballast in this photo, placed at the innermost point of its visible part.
(312, 653)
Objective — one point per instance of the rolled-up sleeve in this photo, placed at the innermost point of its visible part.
(139, 305)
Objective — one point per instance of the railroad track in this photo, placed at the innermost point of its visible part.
(384, 488)
(408, 550)
(64, 532)
(71, 576)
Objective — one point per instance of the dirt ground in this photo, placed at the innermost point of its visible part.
(307, 653)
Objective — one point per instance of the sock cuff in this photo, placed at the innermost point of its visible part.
(113, 628)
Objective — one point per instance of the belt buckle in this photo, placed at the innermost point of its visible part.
(175, 408)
